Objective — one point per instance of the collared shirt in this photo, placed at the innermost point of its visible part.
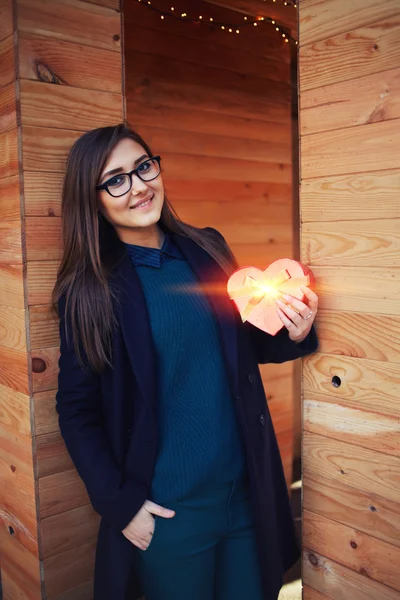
(153, 257)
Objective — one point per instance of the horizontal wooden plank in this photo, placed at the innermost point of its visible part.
(203, 54)
(12, 327)
(365, 511)
(9, 199)
(322, 18)
(360, 335)
(153, 92)
(51, 454)
(10, 242)
(11, 286)
(115, 4)
(336, 106)
(362, 289)
(15, 410)
(14, 369)
(162, 67)
(364, 383)
(356, 550)
(61, 106)
(261, 255)
(375, 242)
(330, 198)
(359, 468)
(41, 276)
(360, 427)
(339, 582)
(43, 328)
(67, 570)
(82, 592)
(227, 191)
(16, 449)
(8, 107)
(9, 154)
(351, 150)
(71, 20)
(193, 119)
(356, 53)
(43, 200)
(204, 144)
(43, 237)
(100, 69)
(61, 492)
(20, 569)
(45, 369)
(6, 19)
(45, 414)
(190, 167)
(47, 149)
(310, 594)
(69, 530)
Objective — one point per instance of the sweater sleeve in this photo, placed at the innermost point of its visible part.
(78, 403)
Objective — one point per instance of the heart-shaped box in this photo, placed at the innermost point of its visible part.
(255, 292)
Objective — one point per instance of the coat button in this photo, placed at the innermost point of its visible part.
(262, 420)
(250, 377)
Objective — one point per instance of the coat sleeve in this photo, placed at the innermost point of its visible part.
(78, 403)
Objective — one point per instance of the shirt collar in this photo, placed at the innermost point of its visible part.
(153, 257)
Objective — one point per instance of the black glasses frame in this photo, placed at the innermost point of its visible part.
(104, 186)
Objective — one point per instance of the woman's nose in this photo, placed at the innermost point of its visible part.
(138, 186)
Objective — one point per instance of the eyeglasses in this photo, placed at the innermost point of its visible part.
(122, 183)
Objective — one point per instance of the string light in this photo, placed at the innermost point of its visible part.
(228, 27)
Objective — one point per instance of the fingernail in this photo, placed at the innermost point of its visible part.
(286, 297)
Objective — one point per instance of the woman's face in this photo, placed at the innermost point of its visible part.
(138, 208)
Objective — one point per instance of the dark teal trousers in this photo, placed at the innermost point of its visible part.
(206, 552)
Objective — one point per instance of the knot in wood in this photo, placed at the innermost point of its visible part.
(353, 544)
(46, 75)
(38, 365)
(313, 560)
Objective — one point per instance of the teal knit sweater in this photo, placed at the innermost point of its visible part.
(199, 439)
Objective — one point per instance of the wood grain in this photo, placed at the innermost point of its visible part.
(51, 454)
(360, 427)
(14, 369)
(8, 107)
(229, 192)
(10, 242)
(364, 383)
(12, 328)
(375, 242)
(360, 335)
(114, 4)
(359, 289)
(6, 19)
(71, 20)
(9, 154)
(336, 106)
(351, 150)
(319, 18)
(339, 198)
(45, 414)
(43, 238)
(358, 551)
(359, 468)
(365, 511)
(46, 149)
(43, 327)
(82, 592)
(67, 570)
(69, 530)
(20, 569)
(15, 410)
(45, 369)
(43, 200)
(11, 286)
(339, 582)
(61, 492)
(348, 56)
(100, 69)
(9, 199)
(310, 594)
(60, 106)
(41, 277)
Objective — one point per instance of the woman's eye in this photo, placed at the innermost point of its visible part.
(116, 181)
(144, 167)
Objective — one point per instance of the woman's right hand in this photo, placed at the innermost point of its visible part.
(140, 530)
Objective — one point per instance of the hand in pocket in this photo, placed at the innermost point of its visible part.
(140, 530)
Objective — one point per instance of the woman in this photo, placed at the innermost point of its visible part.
(160, 400)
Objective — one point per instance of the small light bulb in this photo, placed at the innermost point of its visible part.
(245, 18)
(200, 17)
(162, 17)
(273, 22)
(222, 27)
(286, 40)
(211, 19)
(283, 35)
(277, 28)
(255, 24)
(230, 30)
(172, 8)
(237, 30)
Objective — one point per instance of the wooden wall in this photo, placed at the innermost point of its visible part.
(350, 210)
(217, 107)
(60, 76)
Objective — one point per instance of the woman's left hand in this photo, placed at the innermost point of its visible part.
(298, 316)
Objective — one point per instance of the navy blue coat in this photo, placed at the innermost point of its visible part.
(109, 424)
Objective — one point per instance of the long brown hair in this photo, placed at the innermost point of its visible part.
(86, 264)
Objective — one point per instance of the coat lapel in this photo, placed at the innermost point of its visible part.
(135, 326)
(214, 281)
